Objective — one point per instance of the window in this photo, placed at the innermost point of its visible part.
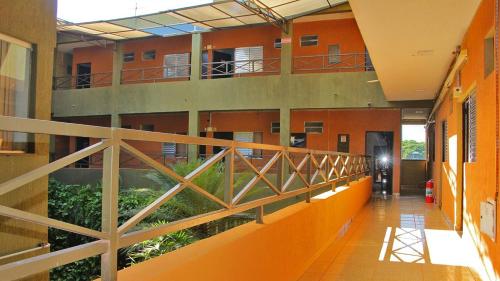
(176, 65)
(334, 54)
(489, 56)
(313, 127)
(147, 127)
(126, 126)
(128, 57)
(16, 62)
(309, 40)
(413, 142)
(249, 137)
(444, 141)
(275, 127)
(149, 55)
(248, 59)
(277, 43)
(471, 128)
(168, 149)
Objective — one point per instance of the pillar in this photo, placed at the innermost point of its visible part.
(115, 84)
(286, 52)
(193, 128)
(196, 50)
(285, 126)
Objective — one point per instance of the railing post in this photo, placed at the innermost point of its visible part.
(280, 171)
(259, 214)
(308, 177)
(229, 177)
(110, 186)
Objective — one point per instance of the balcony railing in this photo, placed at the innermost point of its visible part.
(156, 74)
(312, 170)
(241, 68)
(83, 81)
(332, 63)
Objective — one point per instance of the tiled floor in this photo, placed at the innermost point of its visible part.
(395, 239)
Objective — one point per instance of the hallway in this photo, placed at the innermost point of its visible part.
(395, 239)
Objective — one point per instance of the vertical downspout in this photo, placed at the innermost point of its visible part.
(497, 105)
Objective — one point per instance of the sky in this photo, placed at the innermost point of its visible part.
(414, 132)
(77, 11)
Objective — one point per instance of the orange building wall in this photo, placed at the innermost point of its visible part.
(243, 121)
(101, 58)
(280, 249)
(479, 180)
(355, 122)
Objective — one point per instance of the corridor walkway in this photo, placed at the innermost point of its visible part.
(395, 240)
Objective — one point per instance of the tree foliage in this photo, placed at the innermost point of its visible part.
(412, 149)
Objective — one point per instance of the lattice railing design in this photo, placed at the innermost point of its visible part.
(313, 169)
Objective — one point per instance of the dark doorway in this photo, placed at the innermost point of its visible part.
(222, 136)
(83, 75)
(343, 143)
(80, 144)
(380, 146)
(223, 63)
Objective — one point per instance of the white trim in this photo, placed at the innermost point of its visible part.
(10, 39)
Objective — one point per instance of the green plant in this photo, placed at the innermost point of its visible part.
(157, 246)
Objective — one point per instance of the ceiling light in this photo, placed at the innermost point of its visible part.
(372, 81)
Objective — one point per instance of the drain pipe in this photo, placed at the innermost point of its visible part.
(497, 105)
(459, 63)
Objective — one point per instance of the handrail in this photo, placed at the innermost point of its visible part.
(155, 74)
(313, 168)
(240, 67)
(81, 81)
(332, 62)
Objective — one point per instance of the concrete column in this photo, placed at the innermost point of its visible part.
(196, 50)
(115, 85)
(286, 52)
(285, 126)
(194, 120)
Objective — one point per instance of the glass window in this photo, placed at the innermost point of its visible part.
(275, 127)
(334, 54)
(413, 142)
(489, 56)
(309, 40)
(277, 43)
(128, 57)
(176, 65)
(249, 59)
(148, 127)
(15, 90)
(313, 127)
(149, 55)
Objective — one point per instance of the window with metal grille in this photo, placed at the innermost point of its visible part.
(168, 149)
(149, 55)
(309, 40)
(471, 128)
(176, 65)
(249, 59)
(128, 57)
(334, 54)
(444, 141)
(275, 127)
(277, 43)
(313, 127)
(255, 137)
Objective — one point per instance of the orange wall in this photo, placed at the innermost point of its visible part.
(100, 58)
(280, 249)
(355, 122)
(243, 121)
(479, 183)
(344, 32)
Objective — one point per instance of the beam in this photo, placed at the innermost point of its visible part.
(265, 13)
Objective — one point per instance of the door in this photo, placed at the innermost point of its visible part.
(380, 146)
(343, 143)
(80, 144)
(223, 65)
(223, 136)
(83, 75)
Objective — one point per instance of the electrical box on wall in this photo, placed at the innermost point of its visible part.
(488, 218)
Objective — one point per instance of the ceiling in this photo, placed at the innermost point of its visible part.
(411, 43)
(207, 17)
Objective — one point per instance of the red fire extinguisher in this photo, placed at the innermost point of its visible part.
(429, 186)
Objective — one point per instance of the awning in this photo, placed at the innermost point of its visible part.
(216, 15)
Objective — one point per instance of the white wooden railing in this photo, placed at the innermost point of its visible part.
(314, 169)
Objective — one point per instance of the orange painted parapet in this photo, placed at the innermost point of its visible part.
(280, 249)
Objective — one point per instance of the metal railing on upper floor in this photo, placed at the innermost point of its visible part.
(239, 68)
(349, 62)
(156, 74)
(83, 81)
(297, 171)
